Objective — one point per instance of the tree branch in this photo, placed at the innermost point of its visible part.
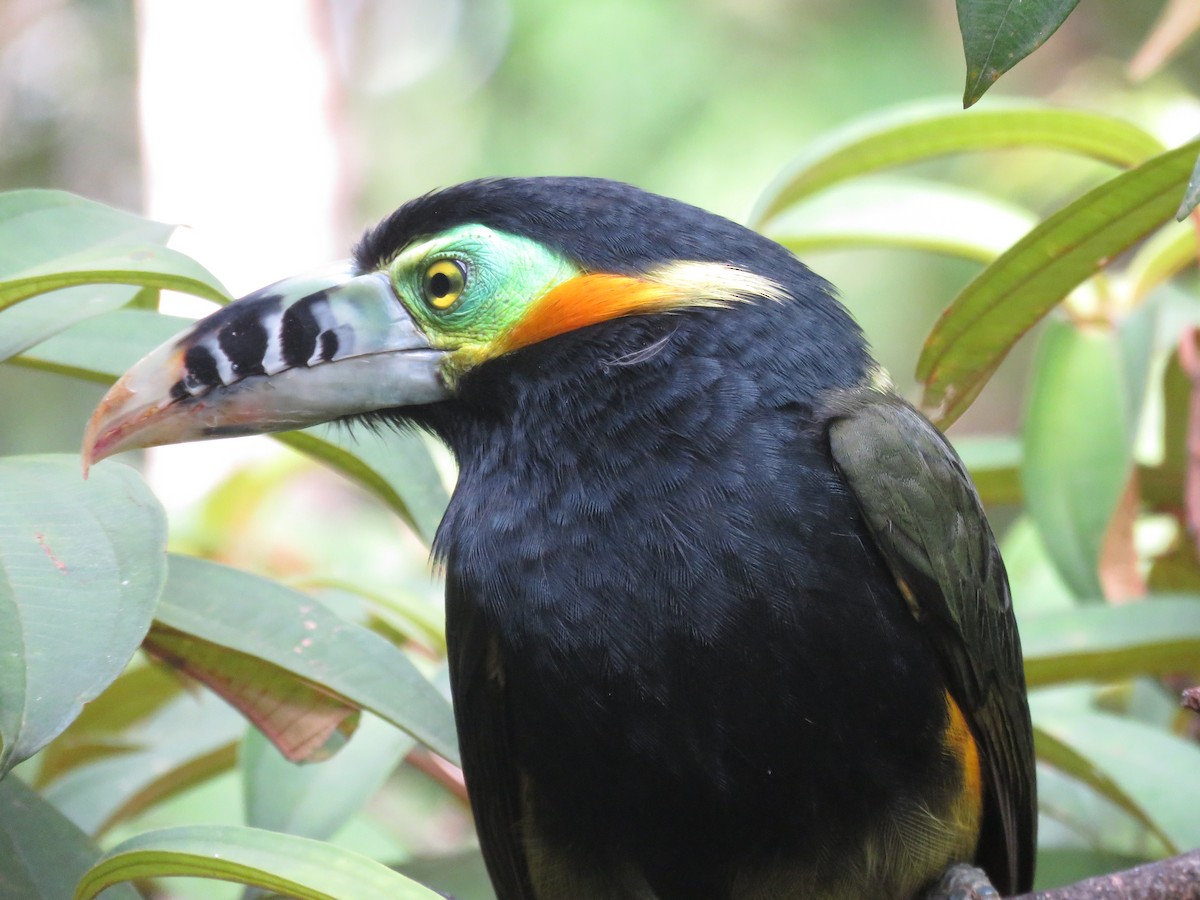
(1177, 878)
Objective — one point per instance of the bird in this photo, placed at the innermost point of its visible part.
(724, 614)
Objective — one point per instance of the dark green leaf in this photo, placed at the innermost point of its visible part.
(81, 568)
(290, 865)
(42, 855)
(998, 34)
(1012, 294)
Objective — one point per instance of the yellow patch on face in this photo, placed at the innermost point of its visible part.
(590, 299)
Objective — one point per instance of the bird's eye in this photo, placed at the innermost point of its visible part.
(444, 283)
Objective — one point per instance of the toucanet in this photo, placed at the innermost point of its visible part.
(725, 617)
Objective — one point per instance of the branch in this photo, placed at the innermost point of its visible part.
(1177, 878)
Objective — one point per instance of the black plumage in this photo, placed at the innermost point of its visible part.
(725, 618)
(681, 662)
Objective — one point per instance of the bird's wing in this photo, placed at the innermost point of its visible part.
(484, 738)
(927, 520)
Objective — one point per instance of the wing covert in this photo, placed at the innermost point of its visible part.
(927, 520)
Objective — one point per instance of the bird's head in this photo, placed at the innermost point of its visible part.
(444, 286)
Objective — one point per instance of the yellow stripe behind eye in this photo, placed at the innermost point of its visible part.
(589, 299)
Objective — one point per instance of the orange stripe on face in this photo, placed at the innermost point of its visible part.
(586, 300)
(961, 745)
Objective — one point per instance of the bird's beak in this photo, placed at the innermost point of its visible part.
(302, 351)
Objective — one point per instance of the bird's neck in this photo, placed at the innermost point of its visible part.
(606, 426)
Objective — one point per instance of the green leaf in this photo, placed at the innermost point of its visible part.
(395, 466)
(316, 800)
(175, 746)
(906, 214)
(1191, 196)
(38, 318)
(42, 855)
(295, 633)
(998, 34)
(1161, 258)
(918, 132)
(994, 465)
(1151, 768)
(1012, 294)
(104, 727)
(1101, 642)
(302, 720)
(38, 228)
(1061, 755)
(81, 568)
(290, 865)
(54, 240)
(1077, 451)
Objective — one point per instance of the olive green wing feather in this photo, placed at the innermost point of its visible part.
(927, 520)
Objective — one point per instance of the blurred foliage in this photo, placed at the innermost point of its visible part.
(1013, 218)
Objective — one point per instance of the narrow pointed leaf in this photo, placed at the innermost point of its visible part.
(1012, 294)
(1077, 454)
(904, 214)
(42, 855)
(81, 568)
(1101, 642)
(998, 34)
(1139, 759)
(295, 633)
(1067, 759)
(283, 863)
(923, 131)
(1162, 257)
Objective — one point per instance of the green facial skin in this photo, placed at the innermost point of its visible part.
(505, 275)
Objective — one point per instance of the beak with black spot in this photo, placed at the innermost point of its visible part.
(302, 351)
